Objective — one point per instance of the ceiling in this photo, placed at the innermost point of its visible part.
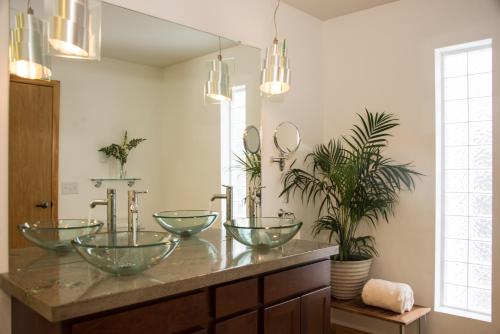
(143, 39)
(327, 9)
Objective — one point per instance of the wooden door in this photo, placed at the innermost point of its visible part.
(283, 318)
(33, 153)
(244, 324)
(315, 312)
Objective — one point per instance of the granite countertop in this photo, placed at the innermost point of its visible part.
(63, 286)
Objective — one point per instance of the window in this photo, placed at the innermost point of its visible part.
(464, 180)
(233, 122)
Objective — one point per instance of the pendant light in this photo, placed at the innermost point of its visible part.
(218, 87)
(74, 28)
(275, 75)
(28, 49)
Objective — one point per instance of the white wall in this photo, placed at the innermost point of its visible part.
(191, 127)
(383, 59)
(249, 22)
(99, 101)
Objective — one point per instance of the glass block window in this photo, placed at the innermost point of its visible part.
(464, 180)
(233, 123)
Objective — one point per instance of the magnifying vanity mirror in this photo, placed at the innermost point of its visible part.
(287, 141)
(148, 83)
(251, 139)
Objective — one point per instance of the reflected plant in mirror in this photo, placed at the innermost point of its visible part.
(250, 163)
(121, 152)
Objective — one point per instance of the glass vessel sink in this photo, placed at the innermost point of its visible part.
(57, 236)
(121, 254)
(265, 232)
(185, 222)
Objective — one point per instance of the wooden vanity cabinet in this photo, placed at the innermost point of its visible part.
(290, 301)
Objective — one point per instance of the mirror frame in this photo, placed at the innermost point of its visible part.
(246, 139)
(282, 150)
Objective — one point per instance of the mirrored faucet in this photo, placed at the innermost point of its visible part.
(228, 196)
(133, 209)
(110, 202)
(253, 201)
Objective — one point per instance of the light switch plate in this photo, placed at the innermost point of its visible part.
(69, 188)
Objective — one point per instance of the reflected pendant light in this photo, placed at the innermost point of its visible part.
(28, 50)
(74, 28)
(275, 75)
(218, 87)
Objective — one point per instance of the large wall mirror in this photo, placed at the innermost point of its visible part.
(149, 82)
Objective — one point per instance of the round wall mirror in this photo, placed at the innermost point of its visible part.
(251, 139)
(287, 137)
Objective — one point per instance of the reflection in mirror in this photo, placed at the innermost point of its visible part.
(251, 139)
(250, 163)
(287, 141)
(149, 82)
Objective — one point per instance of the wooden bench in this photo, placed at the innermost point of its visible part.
(356, 306)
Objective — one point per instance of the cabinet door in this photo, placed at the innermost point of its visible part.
(244, 324)
(283, 318)
(315, 312)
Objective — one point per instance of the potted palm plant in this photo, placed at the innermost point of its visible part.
(354, 184)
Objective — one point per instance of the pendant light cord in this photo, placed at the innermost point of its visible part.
(220, 50)
(30, 10)
(275, 24)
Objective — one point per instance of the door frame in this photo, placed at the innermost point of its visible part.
(56, 91)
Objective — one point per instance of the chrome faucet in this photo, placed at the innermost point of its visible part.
(133, 209)
(110, 202)
(228, 196)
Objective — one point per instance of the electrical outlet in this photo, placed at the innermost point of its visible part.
(69, 188)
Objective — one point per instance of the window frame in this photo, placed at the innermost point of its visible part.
(440, 53)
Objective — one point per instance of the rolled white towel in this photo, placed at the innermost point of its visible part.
(397, 297)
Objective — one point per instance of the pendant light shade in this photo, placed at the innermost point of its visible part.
(275, 74)
(28, 49)
(218, 87)
(74, 28)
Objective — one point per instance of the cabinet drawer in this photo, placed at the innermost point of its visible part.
(244, 324)
(171, 316)
(295, 281)
(236, 297)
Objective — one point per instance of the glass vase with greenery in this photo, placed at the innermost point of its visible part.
(354, 183)
(121, 151)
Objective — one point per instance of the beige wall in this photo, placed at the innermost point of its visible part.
(383, 59)
(191, 127)
(99, 100)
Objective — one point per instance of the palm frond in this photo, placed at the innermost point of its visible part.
(353, 183)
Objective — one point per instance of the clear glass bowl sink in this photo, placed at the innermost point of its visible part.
(265, 232)
(185, 222)
(121, 254)
(57, 236)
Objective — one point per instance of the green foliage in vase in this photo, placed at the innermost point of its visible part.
(121, 152)
(353, 182)
(250, 163)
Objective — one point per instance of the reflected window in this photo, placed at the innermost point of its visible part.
(233, 123)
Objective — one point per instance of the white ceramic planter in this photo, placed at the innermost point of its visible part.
(349, 277)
